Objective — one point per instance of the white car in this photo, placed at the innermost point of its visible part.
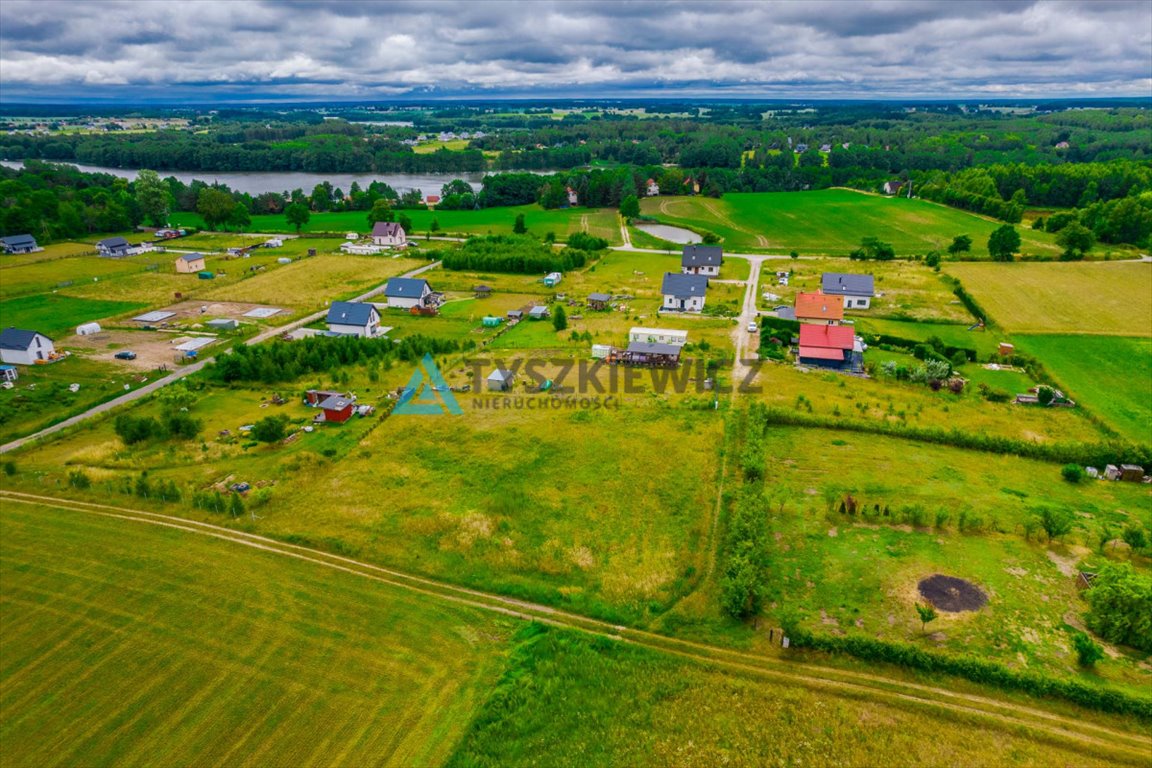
(753, 327)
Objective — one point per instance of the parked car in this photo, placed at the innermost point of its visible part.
(125, 355)
(753, 327)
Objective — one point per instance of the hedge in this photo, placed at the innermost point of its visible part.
(976, 670)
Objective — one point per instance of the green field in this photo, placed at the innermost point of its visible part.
(832, 222)
(130, 644)
(602, 222)
(1109, 375)
(57, 315)
(840, 573)
(569, 701)
(1109, 299)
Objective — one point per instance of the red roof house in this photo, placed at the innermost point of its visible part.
(819, 308)
(827, 346)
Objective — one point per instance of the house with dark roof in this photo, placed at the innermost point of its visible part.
(190, 262)
(18, 244)
(599, 300)
(819, 308)
(21, 347)
(335, 409)
(352, 318)
(701, 260)
(683, 293)
(857, 290)
(830, 346)
(113, 247)
(389, 234)
(650, 354)
(407, 292)
(892, 187)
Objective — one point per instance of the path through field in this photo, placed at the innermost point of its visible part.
(1122, 746)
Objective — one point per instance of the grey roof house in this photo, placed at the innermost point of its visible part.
(18, 244)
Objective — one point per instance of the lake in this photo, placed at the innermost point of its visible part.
(665, 232)
(256, 182)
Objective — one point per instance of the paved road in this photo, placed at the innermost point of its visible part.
(188, 370)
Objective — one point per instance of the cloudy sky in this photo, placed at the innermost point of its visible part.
(216, 50)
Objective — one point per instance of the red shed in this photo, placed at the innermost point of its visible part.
(337, 408)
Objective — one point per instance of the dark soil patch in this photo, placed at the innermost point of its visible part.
(951, 594)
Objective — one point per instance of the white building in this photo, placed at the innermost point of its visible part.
(658, 336)
(684, 293)
(407, 292)
(21, 347)
(389, 234)
(702, 260)
(350, 318)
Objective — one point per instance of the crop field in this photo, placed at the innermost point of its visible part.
(904, 404)
(558, 704)
(832, 222)
(1109, 375)
(948, 513)
(57, 315)
(905, 290)
(602, 222)
(1108, 299)
(131, 644)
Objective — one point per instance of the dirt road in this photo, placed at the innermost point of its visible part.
(188, 370)
(790, 668)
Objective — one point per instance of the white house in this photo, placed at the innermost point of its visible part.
(113, 247)
(857, 290)
(658, 336)
(22, 347)
(350, 318)
(684, 293)
(361, 249)
(19, 244)
(389, 234)
(407, 292)
(702, 260)
(653, 188)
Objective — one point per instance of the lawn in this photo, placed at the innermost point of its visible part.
(567, 700)
(1108, 299)
(984, 343)
(1110, 376)
(602, 222)
(832, 222)
(61, 250)
(43, 276)
(858, 573)
(56, 315)
(129, 644)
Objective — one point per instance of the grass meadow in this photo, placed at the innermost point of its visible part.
(905, 289)
(129, 644)
(1106, 299)
(56, 315)
(561, 703)
(832, 222)
(1109, 375)
(601, 222)
(858, 573)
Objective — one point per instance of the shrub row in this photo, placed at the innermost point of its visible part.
(976, 670)
(1089, 454)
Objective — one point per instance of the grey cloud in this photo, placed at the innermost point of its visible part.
(375, 49)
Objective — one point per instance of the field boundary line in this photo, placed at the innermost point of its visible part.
(814, 675)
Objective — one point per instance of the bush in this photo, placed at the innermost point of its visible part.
(136, 429)
(1121, 601)
(1087, 652)
(270, 428)
(77, 479)
(1073, 473)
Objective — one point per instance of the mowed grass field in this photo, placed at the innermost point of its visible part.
(1109, 375)
(56, 315)
(1107, 299)
(602, 222)
(568, 701)
(131, 644)
(832, 222)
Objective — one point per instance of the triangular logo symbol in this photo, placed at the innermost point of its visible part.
(427, 393)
